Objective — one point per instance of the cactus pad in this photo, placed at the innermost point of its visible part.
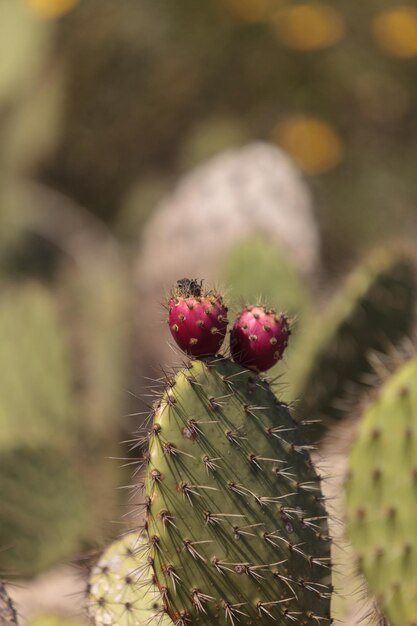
(236, 524)
(8, 615)
(116, 594)
(382, 497)
(375, 309)
(43, 513)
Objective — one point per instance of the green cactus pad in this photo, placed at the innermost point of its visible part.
(36, 395)
(382, 496)
(236, 524)
(8, 615)
(116, 594)
(374, 310)
(257, 271)
(43, 512)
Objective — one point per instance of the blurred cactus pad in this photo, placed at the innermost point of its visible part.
(57, 486)
(374, 310)
(258, 271)
(382, 496)
(43, 514)
(8, 615)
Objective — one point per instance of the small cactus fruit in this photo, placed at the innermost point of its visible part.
(259, 338)
(382, 496)
(8, 615)
(237, 528)
(197, 318)
(121, 591)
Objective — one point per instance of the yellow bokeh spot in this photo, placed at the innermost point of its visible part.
(252, 11)
(50, 9)
(395, 31)
(313, 144)
(309, 26)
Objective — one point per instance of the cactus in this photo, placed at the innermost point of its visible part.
(45, 512)
(237, 529)
(381, 496)
(41, 494)
(116, 595)
(374, 310)
(32, 349)
(257, 268)
(8, 615)
(235, 195)
(53, 475)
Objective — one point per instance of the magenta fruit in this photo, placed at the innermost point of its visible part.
(259, 338)
(197, 318)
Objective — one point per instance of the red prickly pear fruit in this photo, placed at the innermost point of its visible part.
(197, 318)
(259, 338)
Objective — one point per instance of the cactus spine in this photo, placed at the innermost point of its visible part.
(8, 615)
(237, 530)
(382, 496)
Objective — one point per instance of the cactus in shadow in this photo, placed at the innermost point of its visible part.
(63, 387)
(116, 594)
(236, 525)
(43, 517)
(374, 310)
(381, 496)
(45, 513)
(33, 349)
(8, 615)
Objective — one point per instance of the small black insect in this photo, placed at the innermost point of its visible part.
(190, 286)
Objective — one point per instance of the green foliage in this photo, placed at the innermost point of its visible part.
(236, 524)
(8, 615)
(375, 309)
(120, 592)
(382, 496)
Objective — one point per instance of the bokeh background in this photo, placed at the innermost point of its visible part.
(264, 145)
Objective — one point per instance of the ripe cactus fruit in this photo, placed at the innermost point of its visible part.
(382, 496)
(259, 338)
(120, 591)
(237, 528)
(8, 615)
(197, 318)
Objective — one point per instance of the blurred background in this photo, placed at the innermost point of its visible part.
(264, 145)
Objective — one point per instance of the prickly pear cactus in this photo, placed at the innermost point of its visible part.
(120, 592)
(374, 310)
(257, 269)
(237, 529)
(45, 514)
(382, 496)
(8, 615)
(259, 190)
